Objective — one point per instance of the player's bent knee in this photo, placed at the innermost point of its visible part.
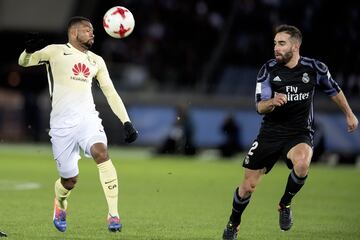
(69, 183)
(252, 187)
(101, 157)
(248, 188)
(301, 168)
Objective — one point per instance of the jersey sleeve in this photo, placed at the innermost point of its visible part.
(110, 92)
(263, 88)
(324, 80)
(37, 58)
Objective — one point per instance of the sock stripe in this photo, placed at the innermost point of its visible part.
(238, 206)
(235, 210)
(239, 200)
(297, 179)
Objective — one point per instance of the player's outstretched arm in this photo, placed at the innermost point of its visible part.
(115, 102)
(351, 120)
(33, 42)
(31, 56)
(119, 109)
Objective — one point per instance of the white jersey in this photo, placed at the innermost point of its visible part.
(70, 75)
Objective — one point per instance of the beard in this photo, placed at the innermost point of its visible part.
(283, 58)
(87, 45)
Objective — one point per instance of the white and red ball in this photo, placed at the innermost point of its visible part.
(118, 22)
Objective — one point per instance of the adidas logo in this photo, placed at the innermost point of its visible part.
(277, 79)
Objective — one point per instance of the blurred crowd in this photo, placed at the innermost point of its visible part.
(191, 45)
(188, 45)
(194, 46)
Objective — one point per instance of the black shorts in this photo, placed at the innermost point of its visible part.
(265, 152)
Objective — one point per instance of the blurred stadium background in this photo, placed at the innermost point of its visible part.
(203, 55)
(198, 56)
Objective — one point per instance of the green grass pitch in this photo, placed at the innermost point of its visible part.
(171, 198)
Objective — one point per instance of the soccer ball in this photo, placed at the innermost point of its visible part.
(118, 22)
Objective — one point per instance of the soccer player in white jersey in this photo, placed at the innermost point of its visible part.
(74, 122)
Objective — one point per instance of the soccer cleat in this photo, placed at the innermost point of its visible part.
(114, 224)
(2, 234)
(59, 217)
(285, 217)
(230, 231)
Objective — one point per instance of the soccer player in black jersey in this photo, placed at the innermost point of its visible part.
(284, 95)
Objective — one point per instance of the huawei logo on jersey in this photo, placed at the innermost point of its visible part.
(81, 68)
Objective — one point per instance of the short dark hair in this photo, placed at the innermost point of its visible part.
(76, 19)
(293, 31)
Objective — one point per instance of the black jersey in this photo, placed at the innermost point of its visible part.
(299, 84)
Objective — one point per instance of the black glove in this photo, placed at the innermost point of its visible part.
(33, 42)
(131, 133)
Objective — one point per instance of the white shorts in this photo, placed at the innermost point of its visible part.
(66, 144)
